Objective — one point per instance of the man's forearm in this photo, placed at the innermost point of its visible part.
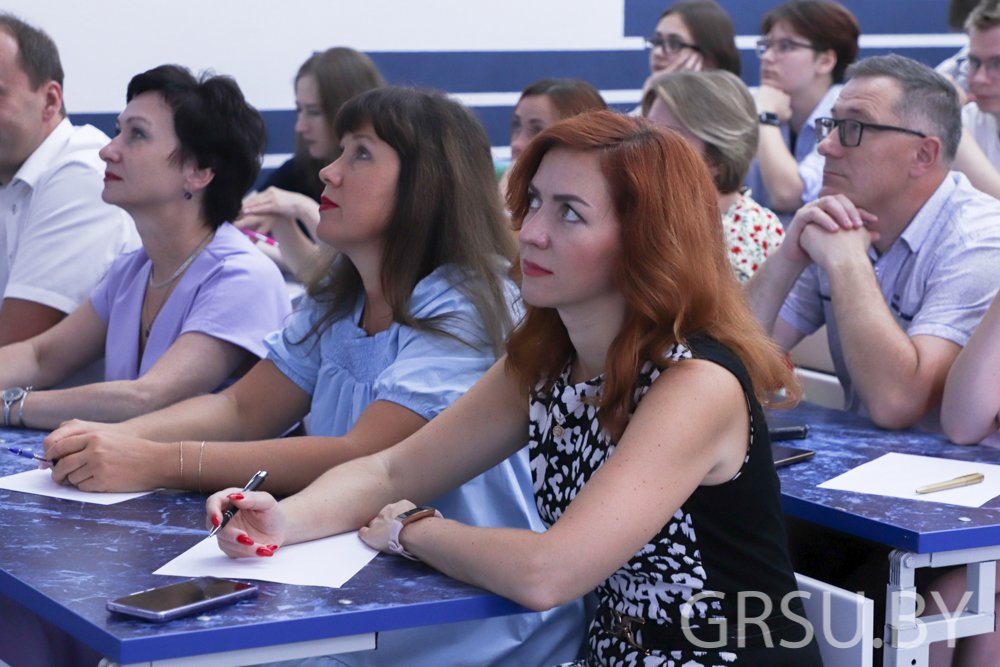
(767, 290)
(21, 320)
(881, 359)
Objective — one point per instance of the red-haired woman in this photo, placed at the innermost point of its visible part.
(636, 379)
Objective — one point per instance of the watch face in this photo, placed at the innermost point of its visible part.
(12, 394)
(414, 514)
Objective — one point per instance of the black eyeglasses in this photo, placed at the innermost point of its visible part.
(670, 44)
(851, 130)
(782, 46)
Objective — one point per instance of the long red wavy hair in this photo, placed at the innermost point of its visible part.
(672, 271)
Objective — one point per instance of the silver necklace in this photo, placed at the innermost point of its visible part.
(180, 269)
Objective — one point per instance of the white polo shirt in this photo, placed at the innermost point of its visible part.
(57, 237)
(983, 127)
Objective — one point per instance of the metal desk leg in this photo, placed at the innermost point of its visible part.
(263, 654)
(907, 638)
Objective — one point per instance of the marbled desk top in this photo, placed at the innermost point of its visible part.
(64, 559)
(843, 441)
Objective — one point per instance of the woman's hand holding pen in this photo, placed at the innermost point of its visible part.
(106, 461)
(257, 530)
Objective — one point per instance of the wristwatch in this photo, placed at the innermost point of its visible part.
(10, 397)
(769, 118)
(416, 514)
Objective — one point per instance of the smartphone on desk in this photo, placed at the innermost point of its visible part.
(182, 599)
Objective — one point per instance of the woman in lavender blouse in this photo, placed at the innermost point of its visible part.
(185, 314)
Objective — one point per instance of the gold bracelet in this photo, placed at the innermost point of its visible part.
(201, 451)
(180, 447)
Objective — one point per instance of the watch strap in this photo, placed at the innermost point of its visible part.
(769, 118)
(9, 396)
(404, 519)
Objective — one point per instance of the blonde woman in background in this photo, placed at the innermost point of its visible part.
(716, 114)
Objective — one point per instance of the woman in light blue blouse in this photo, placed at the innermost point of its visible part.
(409, 315)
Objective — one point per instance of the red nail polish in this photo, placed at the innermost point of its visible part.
(272, 547)
(215, 521)
(243, 539)
(264, 552)
(236, 496)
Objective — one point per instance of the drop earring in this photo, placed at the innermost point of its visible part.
(187, 195)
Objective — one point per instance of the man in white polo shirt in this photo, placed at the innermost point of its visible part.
(57, 237)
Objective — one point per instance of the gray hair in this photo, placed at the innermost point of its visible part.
(928, 102)
(717, 108)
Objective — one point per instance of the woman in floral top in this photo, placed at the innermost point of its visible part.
(716, 114)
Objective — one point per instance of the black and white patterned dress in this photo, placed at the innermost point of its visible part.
(724, 539)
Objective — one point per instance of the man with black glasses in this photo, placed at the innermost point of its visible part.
(898, 256)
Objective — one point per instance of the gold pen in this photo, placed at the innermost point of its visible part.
(964, 480)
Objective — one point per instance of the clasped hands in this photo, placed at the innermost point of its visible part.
(831, 232)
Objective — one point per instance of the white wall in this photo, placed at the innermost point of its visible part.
(103, 43)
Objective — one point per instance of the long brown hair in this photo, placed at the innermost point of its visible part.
(673, 271)
(447, 211)
(340, 74)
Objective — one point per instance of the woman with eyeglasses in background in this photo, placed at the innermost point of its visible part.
(695, 35)
(806, 46)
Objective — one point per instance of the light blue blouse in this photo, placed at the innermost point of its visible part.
(345, 371)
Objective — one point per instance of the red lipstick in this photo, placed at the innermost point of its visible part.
(325, 204)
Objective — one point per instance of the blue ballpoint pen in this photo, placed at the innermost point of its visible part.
(28, 455)
(252, 485)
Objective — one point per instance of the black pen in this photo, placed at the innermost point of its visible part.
(252, 485)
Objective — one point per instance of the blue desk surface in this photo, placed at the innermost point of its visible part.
(843, 441)
(64, 559)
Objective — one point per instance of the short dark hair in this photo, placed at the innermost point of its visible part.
(958, 13)
(340, 74)
(447, 212)
(36, 52)
(570, 97)
(984, 16)
(928, 99)
(712, 30)
(216, 128)
(826, 24)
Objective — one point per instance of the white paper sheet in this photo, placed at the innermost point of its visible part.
(900, 475)
(329, 562)
(39, 482)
